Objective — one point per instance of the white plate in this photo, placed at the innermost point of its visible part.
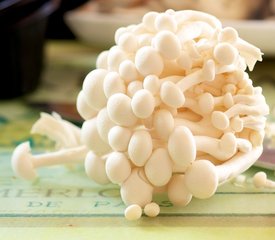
(98, 29)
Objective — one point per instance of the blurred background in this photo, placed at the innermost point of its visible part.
(48, 46)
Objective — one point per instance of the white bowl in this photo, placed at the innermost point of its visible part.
(260, 33)
(98, 29)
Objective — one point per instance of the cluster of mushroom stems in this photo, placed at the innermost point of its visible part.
(169, 108)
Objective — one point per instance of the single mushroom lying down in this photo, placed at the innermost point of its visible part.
(169, 107)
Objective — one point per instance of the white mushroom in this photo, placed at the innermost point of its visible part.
(118, 167)
(260, 180)
(63, 133)
(201, 179)
(225, 53)
(228, 34)
(128, 42)
(184, 61)
(252, 122)
(171, 95)
(163, 123)
(168, 44)
(119, 138)
(133, 212)
(148, 61)
(151, 83)
(181, 143)
(164, 21)
(221, 119)
(152, 209)
(83, 108)
(182, 146)
(95, 168)
(250, 53)
(127, 71)
(140, 147)
(136, 189)
(93, 89)
(133, 87)
(103, 124)
(115, 57)
(238, 164)
(207, 73)
(177, 192)
(24, 163)
(149, 20)
(257, 137)
(222, 149)
(120, 110)
(158, 168)
(143, 103)
(101, 61)
(207, 102)
(202, 128)
(91, 138)
(113, 84)
(169, 108)
(248, 99)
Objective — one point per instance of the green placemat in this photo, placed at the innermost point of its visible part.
(64, 203)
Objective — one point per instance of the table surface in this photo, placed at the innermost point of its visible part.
(63, 202)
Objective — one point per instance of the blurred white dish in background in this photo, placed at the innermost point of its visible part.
(260, 33)
(97, 29)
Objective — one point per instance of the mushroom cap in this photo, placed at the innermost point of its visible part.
(21, 162)
(95, 168)
(201, 179)
(182, 146)
(133, 212)
(259, 179)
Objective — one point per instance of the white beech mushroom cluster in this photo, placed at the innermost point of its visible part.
(169, 108)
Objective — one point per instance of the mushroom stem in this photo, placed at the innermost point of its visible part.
(193, 105)
(207, 102)
(249, 51)
(63, 156)
(202, 177)
(247, 99)
(251, 122)
(211, 88)
(238, 109)
(57, 129)
(255, 123)
(201, 128)
(243, 145)
(238, 164)
(222, 149)
(221, 119)
(207, 73)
